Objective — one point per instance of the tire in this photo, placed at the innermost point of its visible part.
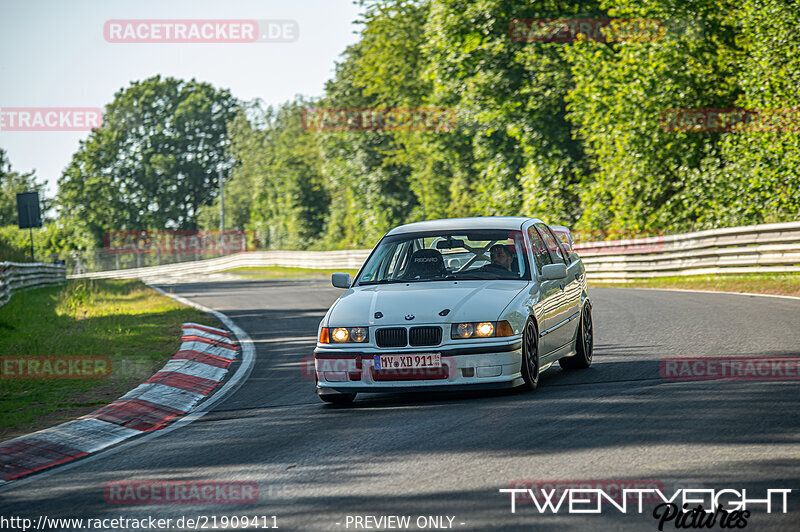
(530, 356)
(339, 398)
(584, 343)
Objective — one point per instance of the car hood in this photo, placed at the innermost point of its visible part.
(467, 301)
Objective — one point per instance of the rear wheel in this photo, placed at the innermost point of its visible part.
(584, 343)
(530, 356)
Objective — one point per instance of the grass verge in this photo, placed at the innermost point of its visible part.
(132, 324)
(280, 272)
(787, 284)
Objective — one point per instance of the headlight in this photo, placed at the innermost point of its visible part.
(485, 329)
(480, 329)
(343, 335)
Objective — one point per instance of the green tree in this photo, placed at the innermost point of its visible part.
(248, 150)
(391, 70)
(367, 185)
(511, 98)
(283, 160)
(756, 177)
(640, 181)
(154, 162)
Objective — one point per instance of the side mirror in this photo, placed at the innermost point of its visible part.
(553, 272)
(342, 280)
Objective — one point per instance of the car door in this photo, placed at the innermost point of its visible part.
(563, 309)
(573, 289)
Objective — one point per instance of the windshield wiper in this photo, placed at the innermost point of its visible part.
(380, 281)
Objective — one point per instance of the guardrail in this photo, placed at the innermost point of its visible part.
(345, 259)
(750, 249)
(16, 276)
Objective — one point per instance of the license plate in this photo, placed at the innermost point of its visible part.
(417, 360)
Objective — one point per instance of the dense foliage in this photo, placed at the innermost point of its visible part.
(567, 131)
(155, 161)
(571, 132)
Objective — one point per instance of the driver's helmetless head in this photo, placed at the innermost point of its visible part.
(500, 255)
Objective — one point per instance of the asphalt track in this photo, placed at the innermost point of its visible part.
(449, 454)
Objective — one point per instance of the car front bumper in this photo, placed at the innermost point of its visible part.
(464, 366)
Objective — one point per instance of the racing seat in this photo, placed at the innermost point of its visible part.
(425, 264)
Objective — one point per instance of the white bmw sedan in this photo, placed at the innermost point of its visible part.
(466, 303)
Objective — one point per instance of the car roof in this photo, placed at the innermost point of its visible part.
(457, 224)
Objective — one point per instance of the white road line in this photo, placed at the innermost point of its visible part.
(214, 330)
(162, 395)
(205, 334)
(195, 369)
(88, 435)
(248, 350)
(209, 348)
(218, 351)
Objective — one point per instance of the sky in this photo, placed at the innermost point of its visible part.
(54, 54)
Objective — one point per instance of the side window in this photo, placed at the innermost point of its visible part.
(519, 264)
(564, 242)
(552, 244)
(540, 254)
(395, 262)
(562, 246)
(401, 260)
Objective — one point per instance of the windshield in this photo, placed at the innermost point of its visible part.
(447, 255)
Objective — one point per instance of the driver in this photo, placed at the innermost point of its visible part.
(500, 256)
